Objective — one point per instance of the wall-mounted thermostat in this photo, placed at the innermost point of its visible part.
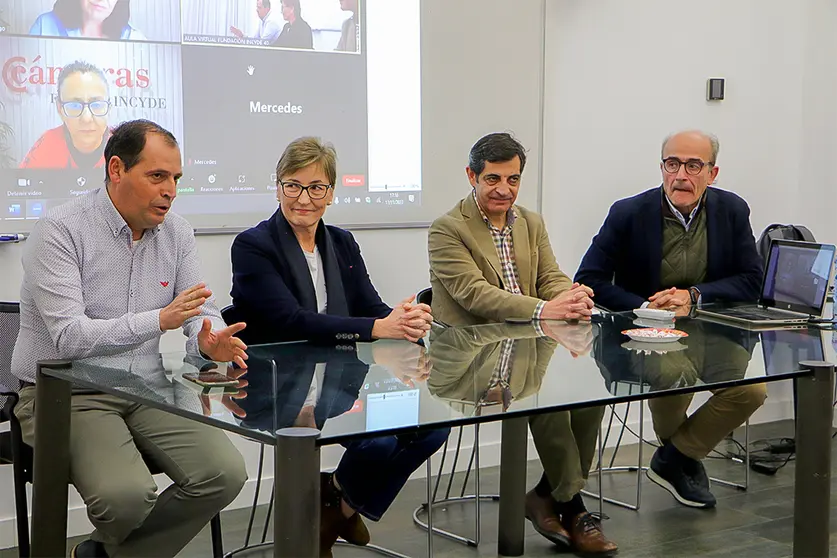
(715, 89)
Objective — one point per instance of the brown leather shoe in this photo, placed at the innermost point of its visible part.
(587, 536)
(331, 518)
(541, 512)
(354, 531)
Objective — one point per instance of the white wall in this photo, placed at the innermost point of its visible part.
(621, 75)
(817, 192)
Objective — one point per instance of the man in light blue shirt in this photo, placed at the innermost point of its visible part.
(270, 23)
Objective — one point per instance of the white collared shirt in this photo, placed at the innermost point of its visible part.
(679, 216)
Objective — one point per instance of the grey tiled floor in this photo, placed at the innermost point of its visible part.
(755, 523)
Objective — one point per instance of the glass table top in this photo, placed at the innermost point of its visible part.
(461, 375)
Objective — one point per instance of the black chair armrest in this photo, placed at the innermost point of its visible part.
(11, 400)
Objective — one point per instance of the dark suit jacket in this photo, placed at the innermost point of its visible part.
(272, 289)
(623, 263)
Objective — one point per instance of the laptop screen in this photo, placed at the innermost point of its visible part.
(797, 276)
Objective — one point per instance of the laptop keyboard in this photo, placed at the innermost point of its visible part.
(760, 314)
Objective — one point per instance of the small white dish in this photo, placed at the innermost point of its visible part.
(655, 334)
(654, 314)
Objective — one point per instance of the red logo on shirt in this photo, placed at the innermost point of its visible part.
(164, 283)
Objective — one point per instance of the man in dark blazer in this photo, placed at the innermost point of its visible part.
(674, 247)
(624, 263)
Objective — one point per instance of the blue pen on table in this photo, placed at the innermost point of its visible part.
(12, 237)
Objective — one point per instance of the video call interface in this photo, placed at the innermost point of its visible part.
(234, 81)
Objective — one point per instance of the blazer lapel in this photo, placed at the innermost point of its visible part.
(522, 254)
(482, 235)
(653, 245)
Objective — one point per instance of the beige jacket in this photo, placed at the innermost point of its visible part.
(465, 270)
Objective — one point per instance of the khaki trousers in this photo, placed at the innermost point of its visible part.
(566, 444)
(721, 359)
(110, 439)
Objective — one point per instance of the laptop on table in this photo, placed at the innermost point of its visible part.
(794, 288)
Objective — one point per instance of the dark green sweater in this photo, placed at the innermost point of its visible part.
(684, 252)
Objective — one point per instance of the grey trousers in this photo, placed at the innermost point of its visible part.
(110, 439)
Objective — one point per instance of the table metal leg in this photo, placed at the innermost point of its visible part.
(51, 464)
(812, 490)
(512, 487)
(296, 528)
(429, 485)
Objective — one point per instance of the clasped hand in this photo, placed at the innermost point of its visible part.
(574, 304)
(678, 300)
(408, 321)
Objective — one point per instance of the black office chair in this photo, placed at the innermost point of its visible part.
(12, 449)
(449, 493)
(227, 314)
(425, 296)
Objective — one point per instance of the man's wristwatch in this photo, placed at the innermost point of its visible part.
(694, 295)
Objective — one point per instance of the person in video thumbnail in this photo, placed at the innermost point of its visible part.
(83, 107)
(269, 25)
(93, 19)
(296, 33)
(348, 38)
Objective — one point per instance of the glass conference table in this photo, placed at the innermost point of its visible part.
(465, 375)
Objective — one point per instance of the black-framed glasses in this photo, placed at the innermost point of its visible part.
(693, 166)
(295, 189)
(74, 109)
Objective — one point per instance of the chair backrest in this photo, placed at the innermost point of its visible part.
(425, 296)
(9, 327)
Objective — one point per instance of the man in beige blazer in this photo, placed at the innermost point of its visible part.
(490, 260)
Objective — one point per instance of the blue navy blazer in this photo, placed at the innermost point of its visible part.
(624, 261)
(273, 293)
